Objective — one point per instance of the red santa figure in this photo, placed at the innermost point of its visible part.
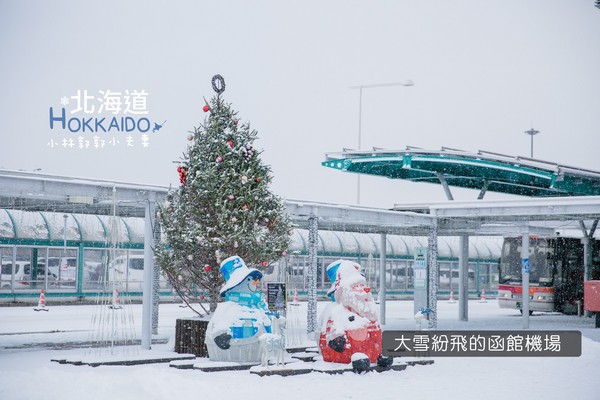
(353, 322)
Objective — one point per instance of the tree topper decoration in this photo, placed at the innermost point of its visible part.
(218, 84)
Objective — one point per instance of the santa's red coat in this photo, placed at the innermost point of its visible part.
(366, 340)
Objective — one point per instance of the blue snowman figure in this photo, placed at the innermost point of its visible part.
(233, 331)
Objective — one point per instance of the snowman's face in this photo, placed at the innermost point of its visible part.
(252, 283)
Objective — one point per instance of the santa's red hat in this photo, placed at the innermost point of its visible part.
(348, 275)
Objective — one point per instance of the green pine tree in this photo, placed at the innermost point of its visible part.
(223, 207)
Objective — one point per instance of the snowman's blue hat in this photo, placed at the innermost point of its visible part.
(234, 271)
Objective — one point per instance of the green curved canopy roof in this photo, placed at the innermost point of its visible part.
(486, 171)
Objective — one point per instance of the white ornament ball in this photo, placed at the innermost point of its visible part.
(190, 137)
(190, 257)
(244, 179)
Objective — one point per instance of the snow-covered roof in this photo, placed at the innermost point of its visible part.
(48, 198)
(41, 192)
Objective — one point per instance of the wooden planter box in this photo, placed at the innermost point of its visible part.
(189, 337)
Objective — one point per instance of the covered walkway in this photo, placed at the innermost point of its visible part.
(37, 192)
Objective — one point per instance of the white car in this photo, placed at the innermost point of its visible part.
(130, 270)
(22, 271)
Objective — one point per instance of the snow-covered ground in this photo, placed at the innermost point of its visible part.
(26, 371)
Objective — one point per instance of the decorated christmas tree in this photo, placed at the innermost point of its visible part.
(223, 207)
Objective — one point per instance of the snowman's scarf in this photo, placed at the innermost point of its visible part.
(252, 300)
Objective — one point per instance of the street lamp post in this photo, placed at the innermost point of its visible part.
(360, 91)
(532, 132)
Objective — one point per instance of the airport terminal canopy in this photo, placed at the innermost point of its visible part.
(484, 170)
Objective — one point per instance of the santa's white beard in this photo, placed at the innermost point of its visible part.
(359, 302)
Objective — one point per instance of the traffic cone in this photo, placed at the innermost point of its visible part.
(116, 302)
(186, 299)
(41, 302)
(482, 298)
(296, 301)
(451, 300)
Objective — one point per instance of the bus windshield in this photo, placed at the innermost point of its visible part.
(540, 261)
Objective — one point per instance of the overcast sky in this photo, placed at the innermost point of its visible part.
(483, 72)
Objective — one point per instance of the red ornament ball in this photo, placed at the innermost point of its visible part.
(207, 268)
(206, 108)
(230, 143)
(264, 263)
(257, 179)
(283, 254)
(182, 174)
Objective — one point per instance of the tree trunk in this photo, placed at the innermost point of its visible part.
(214, 299)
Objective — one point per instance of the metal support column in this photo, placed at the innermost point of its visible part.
(148, 272)
(311, 315)
(463, 278)
(484, 189)
(587, 257)
(445, 186)
(525, 278)
(433, 275)
(588, 248)
(382, 276)
(156, 283)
